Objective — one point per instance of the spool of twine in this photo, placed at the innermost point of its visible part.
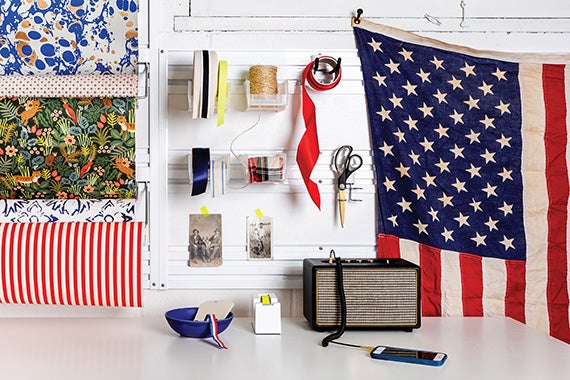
(263, 80)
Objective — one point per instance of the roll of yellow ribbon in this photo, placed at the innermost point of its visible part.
(222, 90)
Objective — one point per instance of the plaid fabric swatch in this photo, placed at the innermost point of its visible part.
(265, 169)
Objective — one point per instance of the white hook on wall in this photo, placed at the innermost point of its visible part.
(462, 5)
(432, 19)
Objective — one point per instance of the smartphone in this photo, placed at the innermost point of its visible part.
(408, 355)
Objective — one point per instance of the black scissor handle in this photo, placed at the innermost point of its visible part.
(341, 157)
(354, 163)
(346, 164)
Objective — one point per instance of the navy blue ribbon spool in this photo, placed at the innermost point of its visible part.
(200, 169)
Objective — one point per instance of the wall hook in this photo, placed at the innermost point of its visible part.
(462, 5)
(334, 70)
(316, 65)
(432, 19)
(350, 189)
(336, 67)
(359, 13)
(146, 189)
(145, 74)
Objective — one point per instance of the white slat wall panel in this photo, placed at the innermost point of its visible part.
(300, 229)
(288, 34)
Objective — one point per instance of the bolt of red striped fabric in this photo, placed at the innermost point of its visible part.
(71, 263)
(308, 149)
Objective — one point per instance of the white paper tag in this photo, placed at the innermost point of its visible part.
(221, 308)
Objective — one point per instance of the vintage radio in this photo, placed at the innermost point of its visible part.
(380, 294)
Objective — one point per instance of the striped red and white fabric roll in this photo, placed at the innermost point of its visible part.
(71, 263)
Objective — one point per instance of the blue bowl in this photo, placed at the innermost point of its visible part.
(182, 321)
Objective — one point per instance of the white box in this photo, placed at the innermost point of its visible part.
(266, 317)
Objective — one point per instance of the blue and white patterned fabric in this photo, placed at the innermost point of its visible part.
(82, 210)
(68, 37)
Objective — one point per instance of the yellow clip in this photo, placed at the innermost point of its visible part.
(258, 213)
(205, 212)
(266, 300)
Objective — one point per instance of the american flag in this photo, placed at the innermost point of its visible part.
(470, 151)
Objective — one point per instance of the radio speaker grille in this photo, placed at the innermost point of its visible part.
(372, 297)
(380, 294)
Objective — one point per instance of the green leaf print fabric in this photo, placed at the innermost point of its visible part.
(67, 148)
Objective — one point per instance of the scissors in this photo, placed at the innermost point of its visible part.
(345, 163)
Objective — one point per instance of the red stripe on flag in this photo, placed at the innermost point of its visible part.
(471, 267)
(515, 294)
(558, 191)
(430, 264)
(388, 246)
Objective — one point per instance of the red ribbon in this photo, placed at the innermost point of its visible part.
(308, 150)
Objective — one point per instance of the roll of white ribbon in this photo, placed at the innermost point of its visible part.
(205, 83)
(196, 84)
(218, 175)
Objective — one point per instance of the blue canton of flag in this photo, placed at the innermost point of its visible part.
(446, 132)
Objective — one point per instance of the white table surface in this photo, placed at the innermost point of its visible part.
(146, 348)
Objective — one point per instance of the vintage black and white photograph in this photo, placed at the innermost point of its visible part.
(205, 245)
(259, 244)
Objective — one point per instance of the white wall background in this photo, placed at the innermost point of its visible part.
(286, 34)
